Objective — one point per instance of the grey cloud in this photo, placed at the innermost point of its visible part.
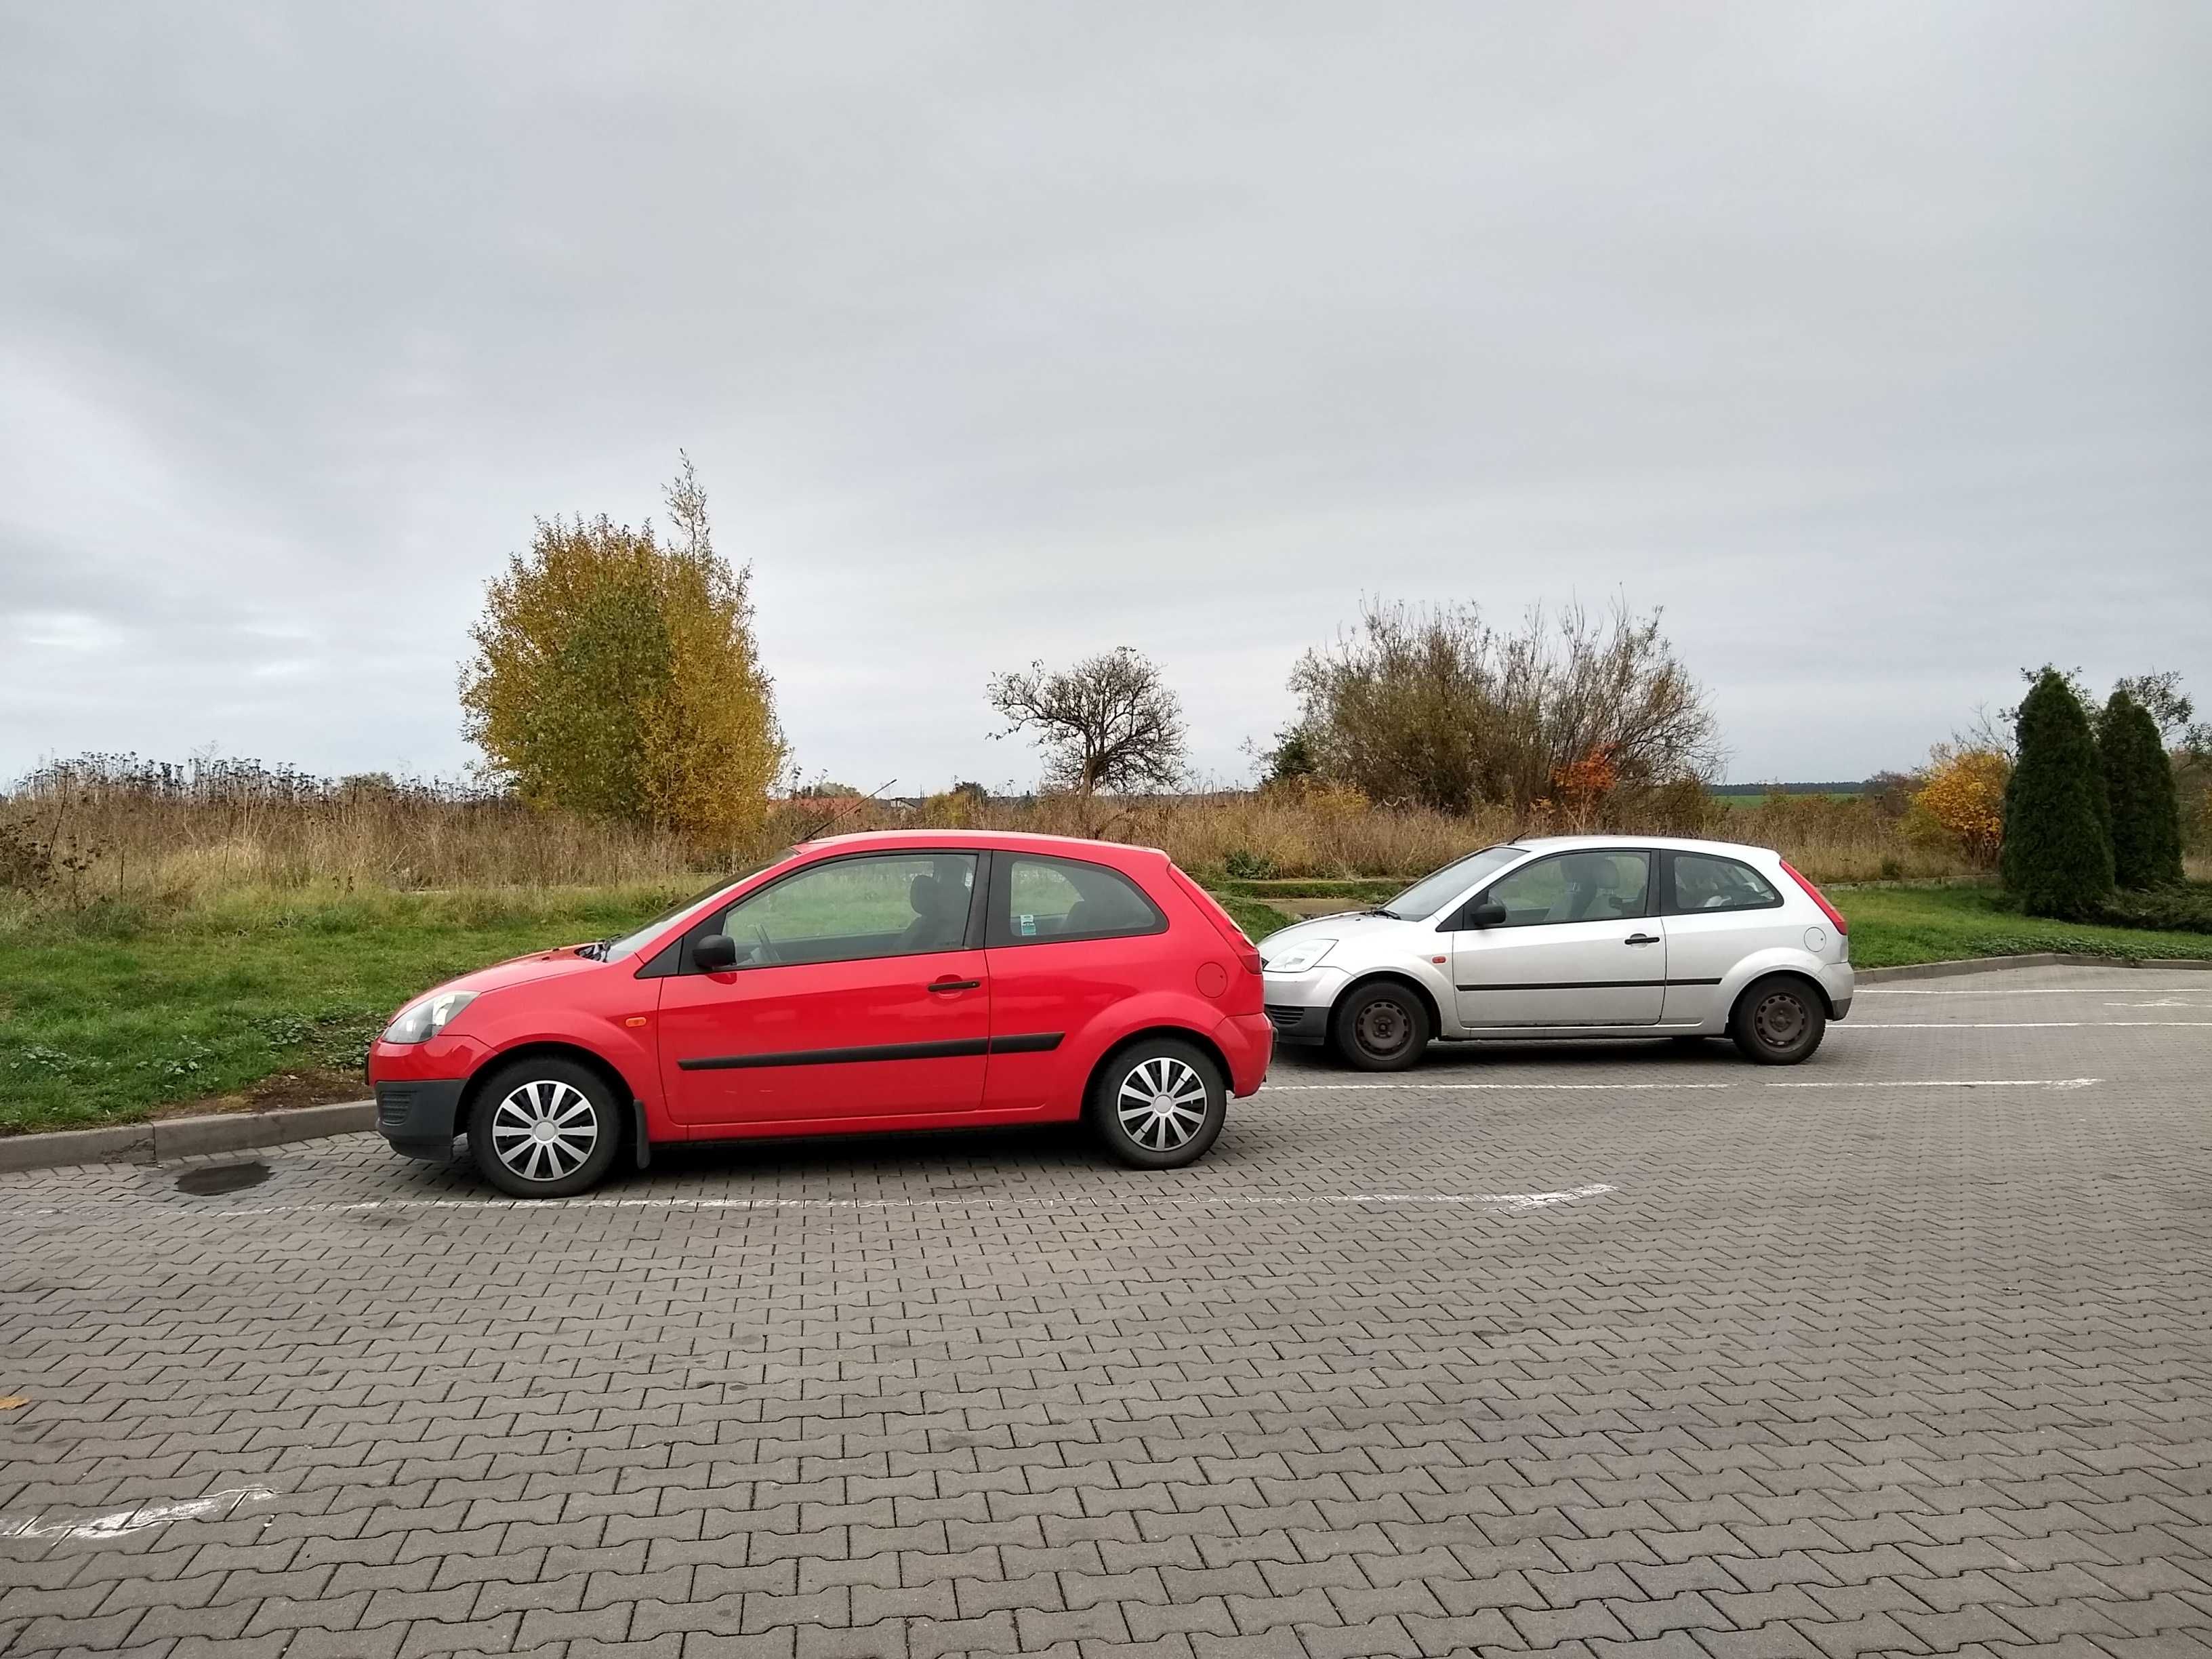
(1866, 340)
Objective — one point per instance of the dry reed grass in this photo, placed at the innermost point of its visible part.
(186, 836)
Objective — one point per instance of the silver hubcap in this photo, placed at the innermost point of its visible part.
(1162, 1104)
(1780, 1020)
(545, 1130)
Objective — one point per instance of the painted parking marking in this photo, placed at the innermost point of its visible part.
(1638, 1088)
(1941, 1083)
(1027, 1203)
(2011, 1024)
(1642, 1088)
(2000, 990)
(122, 1524)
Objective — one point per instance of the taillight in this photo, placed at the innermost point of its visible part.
(1250, 958)
(1818, 898)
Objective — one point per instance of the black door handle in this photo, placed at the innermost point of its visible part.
(954, 984)
(1641, 938)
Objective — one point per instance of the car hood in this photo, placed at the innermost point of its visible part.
(1344, 926)
(518, 971)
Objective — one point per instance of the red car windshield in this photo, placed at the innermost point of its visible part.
(645, 935)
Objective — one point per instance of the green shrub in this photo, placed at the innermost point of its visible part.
(1244, 865)
(2146, 807)
(2176, 908)
(2057, 855)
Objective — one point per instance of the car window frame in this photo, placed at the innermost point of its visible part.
(1001, 904)
(1649, 854)
(675, 960)
(1667, 896)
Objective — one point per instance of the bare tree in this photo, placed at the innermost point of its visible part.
(1108, 723)
(1435, 706)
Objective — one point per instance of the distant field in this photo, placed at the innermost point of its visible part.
(1737, 800)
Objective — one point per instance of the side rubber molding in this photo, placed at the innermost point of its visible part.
(417, 1117)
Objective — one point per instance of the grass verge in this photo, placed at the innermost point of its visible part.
(1892, 926)
(115, 1014)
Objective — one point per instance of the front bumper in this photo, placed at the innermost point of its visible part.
(1298, 1003)
(1295, 1024)
(418, 1116)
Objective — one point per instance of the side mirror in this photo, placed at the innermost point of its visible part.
(1487, 914)
(717, 953)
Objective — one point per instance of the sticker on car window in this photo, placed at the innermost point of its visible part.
(1028, 926)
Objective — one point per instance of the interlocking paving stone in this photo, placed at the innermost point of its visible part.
(1771, 1370)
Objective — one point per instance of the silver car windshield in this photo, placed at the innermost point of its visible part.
(1432, 893)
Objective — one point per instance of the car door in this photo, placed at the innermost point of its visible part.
(1576, 946)
(860, 992)
(1068, 939)
(1718, 911)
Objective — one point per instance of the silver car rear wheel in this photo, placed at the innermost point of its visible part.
(1778, 1021)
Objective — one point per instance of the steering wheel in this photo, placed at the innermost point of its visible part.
(764, 952)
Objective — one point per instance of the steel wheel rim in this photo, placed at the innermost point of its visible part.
(1162, 1104)
(1383, 1028)
(546, 1130)
(1780, 1020)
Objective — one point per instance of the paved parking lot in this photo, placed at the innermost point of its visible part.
(1906, 1350)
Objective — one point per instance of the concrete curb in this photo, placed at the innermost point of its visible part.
(185, 1137)
(2038, 959)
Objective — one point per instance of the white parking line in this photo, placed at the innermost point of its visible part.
(1536, 1200)
(1641, 1088)
(1284, 1088)
(2009, 1024)
(2001, 990)
(121, 1523)
(1941, 1083)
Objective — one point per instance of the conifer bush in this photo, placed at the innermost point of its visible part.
(2146, 805)
(2057, 855)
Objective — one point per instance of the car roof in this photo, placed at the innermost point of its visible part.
(1010, 840)
(1672, 843)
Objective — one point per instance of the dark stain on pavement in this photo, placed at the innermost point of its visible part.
(206, 1180)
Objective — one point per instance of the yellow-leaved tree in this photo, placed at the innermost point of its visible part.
(1962, 803)
(617, 675)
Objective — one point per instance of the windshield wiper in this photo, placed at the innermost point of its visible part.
(597, 950)
(1385, 911)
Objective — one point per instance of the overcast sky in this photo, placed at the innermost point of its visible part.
(1870, 341)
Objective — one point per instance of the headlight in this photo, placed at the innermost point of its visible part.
(1306, 953)
(421, 1021)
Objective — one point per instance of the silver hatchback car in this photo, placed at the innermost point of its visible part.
(1571, 936)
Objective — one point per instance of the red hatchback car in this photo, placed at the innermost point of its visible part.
(904, 980)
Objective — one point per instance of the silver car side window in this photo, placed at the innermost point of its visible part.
(1701, 882)
(1600, 885)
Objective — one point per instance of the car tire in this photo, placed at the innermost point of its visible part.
(1158, 1104)
(1778, 1021)
(544, 1128)
(1381, 1026)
